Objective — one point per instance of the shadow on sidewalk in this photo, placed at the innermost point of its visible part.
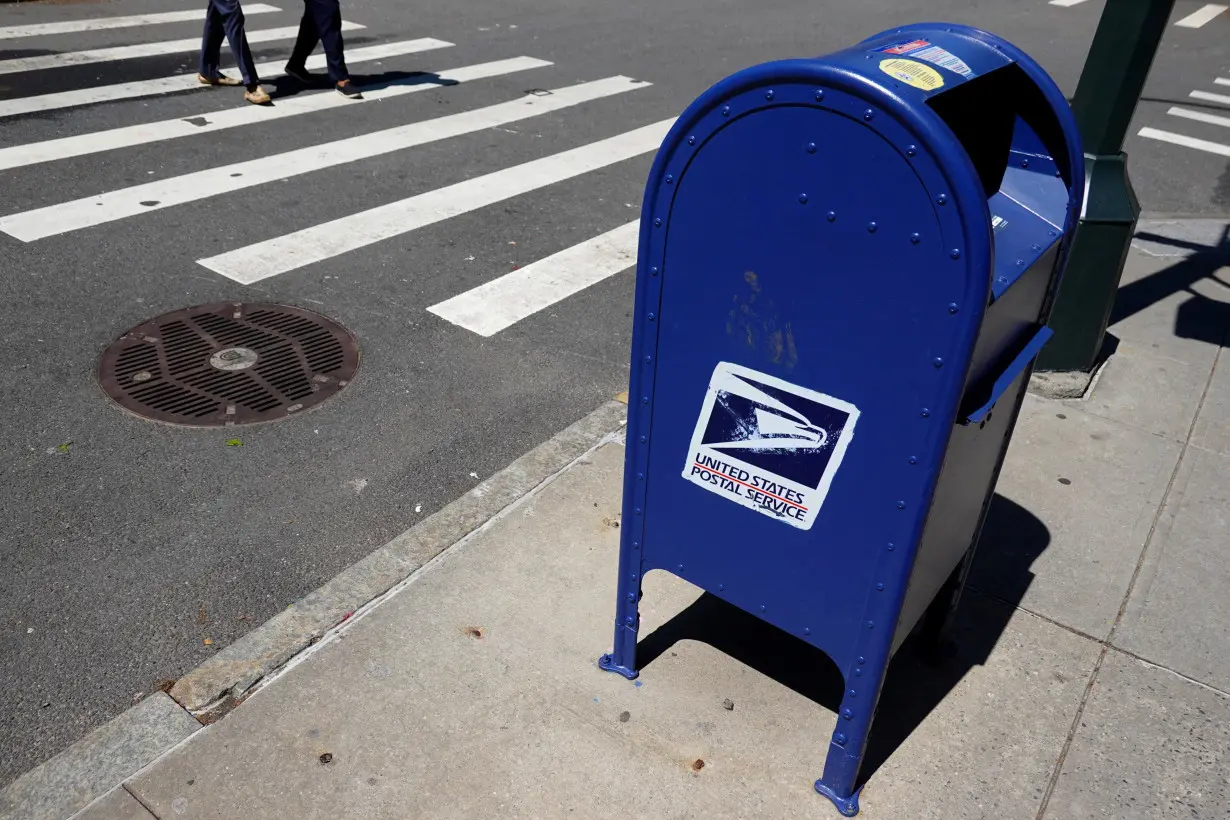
(1199, 318)
(1012, 538)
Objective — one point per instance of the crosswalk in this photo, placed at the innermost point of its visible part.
(271, 70)
(130, 21)
(329, 239)
(484, 310)
(105, 55)
(1207, 146)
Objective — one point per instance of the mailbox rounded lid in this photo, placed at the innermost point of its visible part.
(904, 85)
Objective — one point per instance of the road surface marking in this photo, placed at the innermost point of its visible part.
(99, 23)
(1204, 95)
(82, 144)
(329, 239)
(152, 196)
(1066, 3)
(1200, 116)
(1186, 142)
(501, 303)
(103, 55)
(1222, 81)
(1201, 16)
(181, 82)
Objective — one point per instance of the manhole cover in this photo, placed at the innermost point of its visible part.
(228, 363)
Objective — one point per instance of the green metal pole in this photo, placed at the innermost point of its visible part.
(1110, 86)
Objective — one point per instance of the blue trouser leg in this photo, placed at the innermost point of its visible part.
(225, 17)
(211, 42)
(322, 22)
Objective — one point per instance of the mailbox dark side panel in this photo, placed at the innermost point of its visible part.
(827, 348)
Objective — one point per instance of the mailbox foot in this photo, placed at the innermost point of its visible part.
(607, 663)
(848, 806)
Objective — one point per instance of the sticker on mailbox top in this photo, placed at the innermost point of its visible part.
(767, 444)
(924, 50)
(909, 72)
(904, 48)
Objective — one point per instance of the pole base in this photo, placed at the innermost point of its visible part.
(848, 806)
(1067, 384)
(1093, 269)
(607, 664)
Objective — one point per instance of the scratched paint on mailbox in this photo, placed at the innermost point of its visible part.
(767, 444)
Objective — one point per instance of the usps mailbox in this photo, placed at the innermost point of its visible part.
(845, 271)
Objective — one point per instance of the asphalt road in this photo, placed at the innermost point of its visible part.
(130, 551)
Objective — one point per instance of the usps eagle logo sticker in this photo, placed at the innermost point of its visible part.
(769, 445)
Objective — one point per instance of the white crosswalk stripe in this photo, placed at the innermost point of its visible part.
(105, 55)
(486, 310)
(501, 303)
(1208, 97)
(41, 223)
(1203, 15)
(269, 70)
(1188, 142)
(1199, 116)
(130, 21)
(1185, 140)
(324, 241)
(131, 135)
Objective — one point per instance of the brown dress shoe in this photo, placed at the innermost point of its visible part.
(221, 79)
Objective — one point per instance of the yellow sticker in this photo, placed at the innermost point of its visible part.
(913, 73)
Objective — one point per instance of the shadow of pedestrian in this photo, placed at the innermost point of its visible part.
(288, 86)
(83, 76)
(917, 682)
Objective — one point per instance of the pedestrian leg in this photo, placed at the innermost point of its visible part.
(328, 14)
(237, 36)
(225, 17)
(211, 47)
(309, 36)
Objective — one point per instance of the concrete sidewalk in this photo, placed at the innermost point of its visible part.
(1090, 679)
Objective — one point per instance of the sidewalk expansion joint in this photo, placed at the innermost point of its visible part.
(1108, 644)
(1163, 668)
(1047, 619)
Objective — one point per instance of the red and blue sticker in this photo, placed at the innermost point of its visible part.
(926, 51)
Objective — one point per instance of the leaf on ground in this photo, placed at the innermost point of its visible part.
(208, 642)
(234, 442)
(63, 448)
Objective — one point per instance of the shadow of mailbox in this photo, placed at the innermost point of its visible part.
(846, 266)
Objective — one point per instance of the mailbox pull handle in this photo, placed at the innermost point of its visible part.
(1005, 379)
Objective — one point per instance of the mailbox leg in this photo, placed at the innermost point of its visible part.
(839, 782)
(622, 658)
(848, 746)
(937, 621)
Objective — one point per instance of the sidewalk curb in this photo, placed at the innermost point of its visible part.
(219, 684)
(91, 767)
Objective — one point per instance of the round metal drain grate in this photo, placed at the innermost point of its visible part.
(229, 363)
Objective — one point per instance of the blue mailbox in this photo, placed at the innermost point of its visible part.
(845, 271)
